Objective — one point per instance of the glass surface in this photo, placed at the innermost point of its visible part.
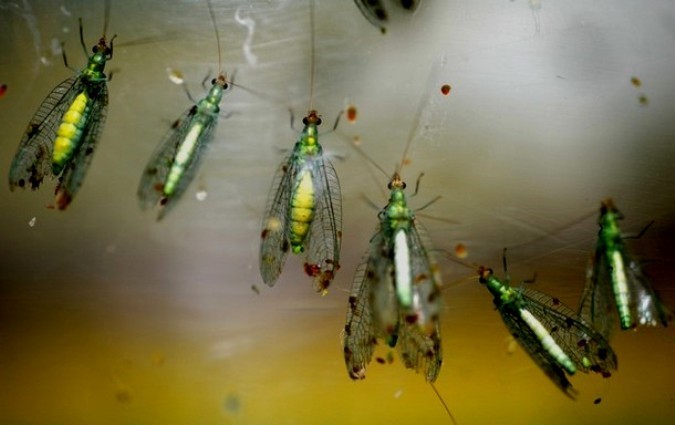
(107, 317)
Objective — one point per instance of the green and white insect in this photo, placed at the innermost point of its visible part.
(395, 294)
(304, 208)
(174, 163)
(375, 13)
(555, 337)
(62, 135)
(615, 285)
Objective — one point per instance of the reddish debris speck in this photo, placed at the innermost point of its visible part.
(312, 270)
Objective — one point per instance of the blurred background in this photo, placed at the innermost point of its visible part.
(109, 317)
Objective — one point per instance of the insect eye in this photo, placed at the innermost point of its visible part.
(318, 121)
(213, 81)
(226, 86)
(403, 185)
(304, 120)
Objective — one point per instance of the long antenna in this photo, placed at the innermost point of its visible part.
(215, 29)
(447, 409)
(552, 233)
(416, 120)
(106, 17)
(311, 55)
(369, 159)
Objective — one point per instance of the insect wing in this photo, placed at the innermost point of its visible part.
(74, 173)
(380, 273)
(589, 350)
(151, 186)
(326, 228)
(531, 344)
(646, 304)
(419, 350)
(33, 159)
(360, 333)
(597, 305)
(274, 244)
(427, 302)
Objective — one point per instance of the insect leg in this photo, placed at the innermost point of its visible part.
(65, 59)
(84, 46)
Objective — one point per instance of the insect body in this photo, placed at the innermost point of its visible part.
(395, 294)
(615, 284)
(304, 212)
(304, 208)
(173, 165)
(553, 335)
(63, 134)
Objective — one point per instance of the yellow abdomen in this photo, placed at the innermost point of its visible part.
(69, 132)
(302, 211)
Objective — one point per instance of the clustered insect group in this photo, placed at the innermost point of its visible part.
(395, 295)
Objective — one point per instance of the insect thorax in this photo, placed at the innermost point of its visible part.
(214, 96)
(95, 67)
(396, 214)
(502, 293)
(309, 140)
(209, 105)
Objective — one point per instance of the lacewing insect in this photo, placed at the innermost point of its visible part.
(395, 295)
(553, 335)
(63, 134)
(304, 207)
(174, 163)
(615, 285)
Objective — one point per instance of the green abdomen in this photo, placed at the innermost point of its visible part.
(302, 211)
(69, 133)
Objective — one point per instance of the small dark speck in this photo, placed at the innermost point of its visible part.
(232, 403)
(255, 289)
(123, 395)
(597, 400)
